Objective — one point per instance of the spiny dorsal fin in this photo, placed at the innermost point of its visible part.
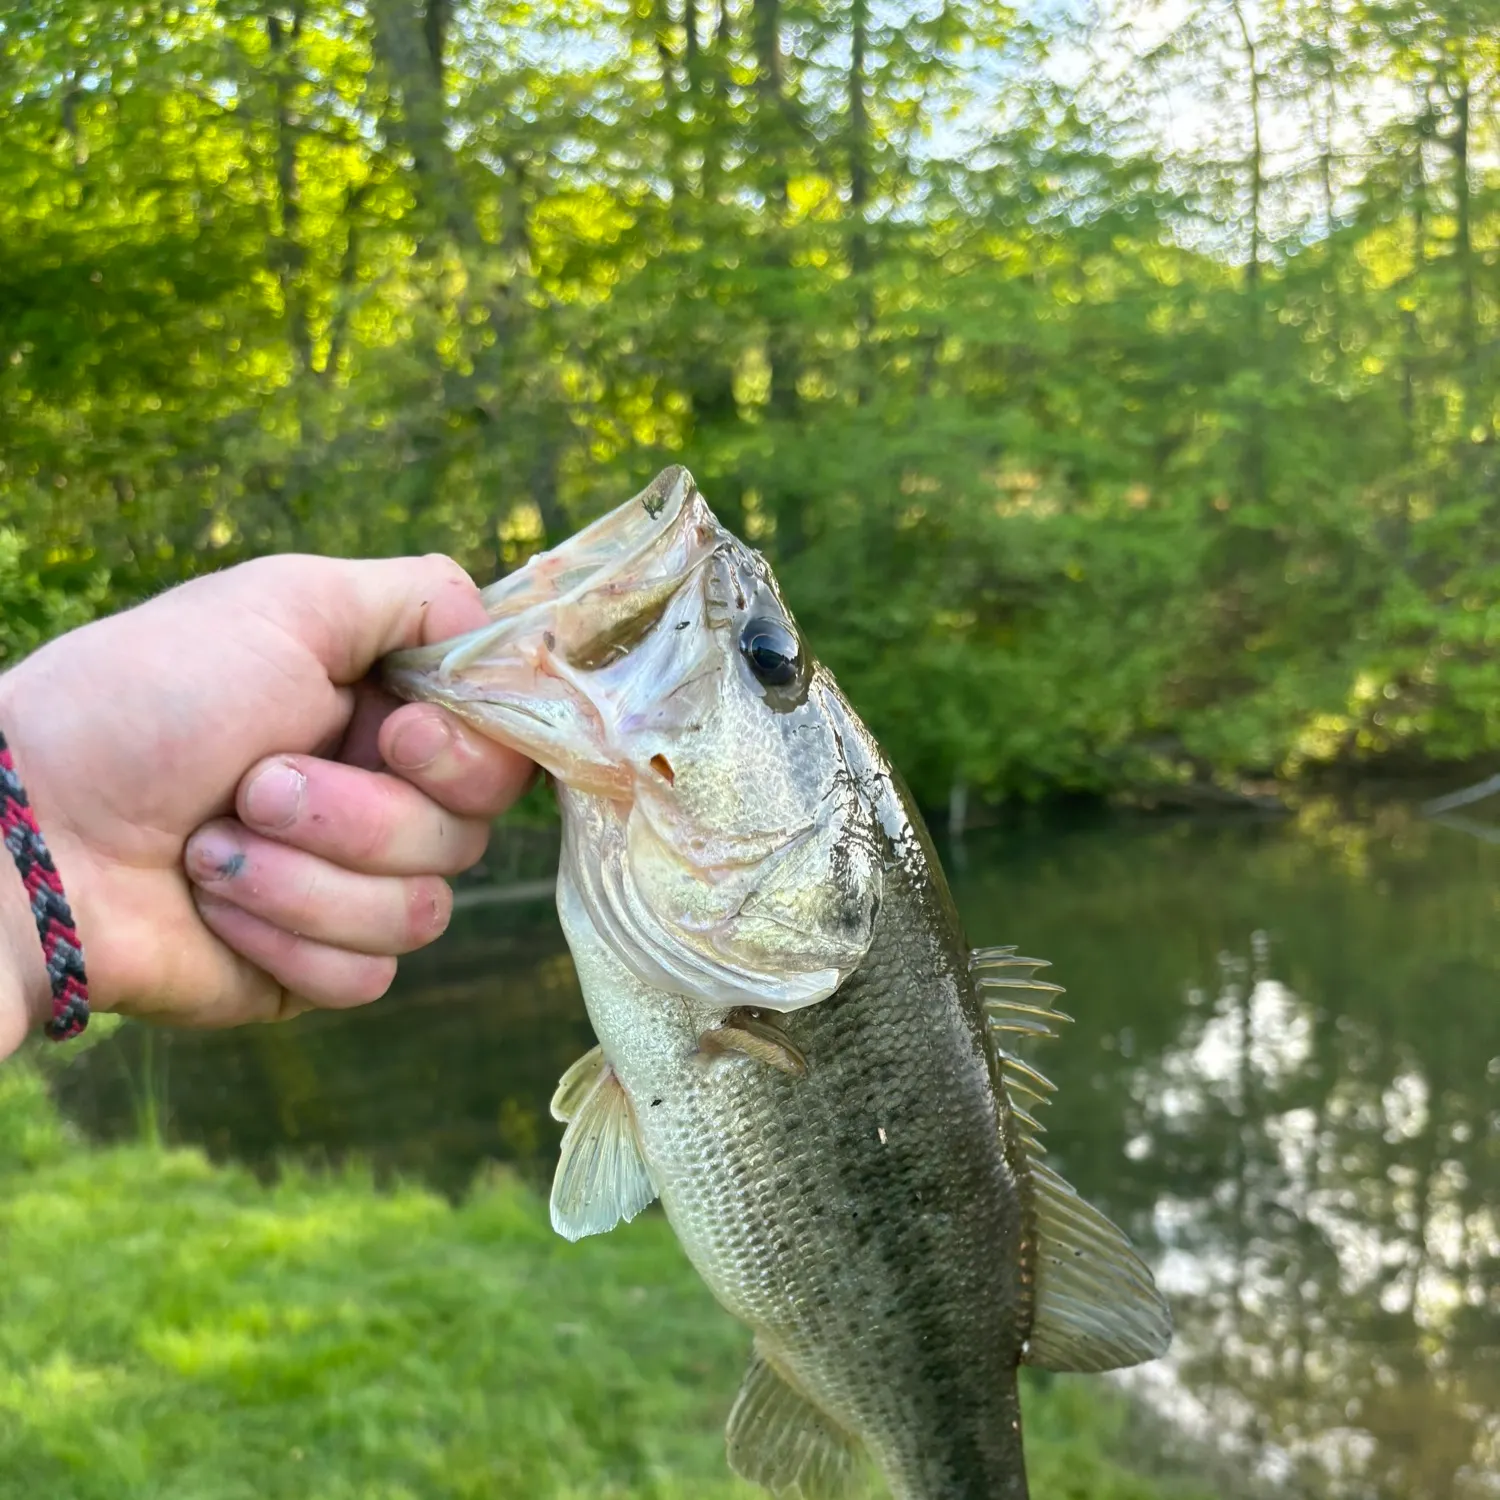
(1096, 1306)
(778, 1439)
(1015, 1000)
(601, 1177)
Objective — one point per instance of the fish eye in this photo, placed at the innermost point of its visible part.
(771, 650)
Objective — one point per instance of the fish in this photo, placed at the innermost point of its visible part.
(798, 1053)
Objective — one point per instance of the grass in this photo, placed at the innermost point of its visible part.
(173, 1328)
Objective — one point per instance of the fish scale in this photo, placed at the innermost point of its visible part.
(851, 1256)
(797, 1052)
(929, 1205)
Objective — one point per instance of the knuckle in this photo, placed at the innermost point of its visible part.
(464, 846)
(446, 571)
(371, 836)
(319, 976)
(287, 571)
(357, 981)
(308, 898)
(377, 977)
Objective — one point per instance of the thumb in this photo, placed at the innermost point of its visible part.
(363, 609)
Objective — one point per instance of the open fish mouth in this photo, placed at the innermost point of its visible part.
(712, 832)
(570, 611)
(633, 541)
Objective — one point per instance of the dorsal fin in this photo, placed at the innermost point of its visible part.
(1015, 1000)
(1096, 1306)
(778, 1439)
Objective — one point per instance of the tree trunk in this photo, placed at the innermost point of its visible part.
(1463, 253)
(343, 307)
(765, 32)
(404, 37)
(435, 16)
(770, 123)
(1330, 113)
(699, 61)
(1410, 328)
(671, 91)
(859, 194)
(1254, 451)
(782, 352)
(544, 489)
(287, 252)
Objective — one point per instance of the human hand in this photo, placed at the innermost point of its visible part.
(204, 769)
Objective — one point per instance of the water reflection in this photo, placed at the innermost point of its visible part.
(1285, 1079)
(1335, 1285)
(453, 1070)
(1311, 1133)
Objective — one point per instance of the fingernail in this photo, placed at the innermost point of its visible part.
(419, 742)
(274, 797)
(439, 910)
(213, 855)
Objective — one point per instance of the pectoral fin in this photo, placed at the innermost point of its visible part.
(778, 1439)
(601, 1176)
(573, 1087)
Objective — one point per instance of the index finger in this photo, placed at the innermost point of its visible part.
(361, 820)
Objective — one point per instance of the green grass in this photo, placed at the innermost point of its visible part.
(172, 1328)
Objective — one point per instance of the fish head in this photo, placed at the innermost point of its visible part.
(717, 827)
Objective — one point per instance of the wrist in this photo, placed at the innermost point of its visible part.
(27, 878)
(25, 995)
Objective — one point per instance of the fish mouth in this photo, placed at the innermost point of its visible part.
(569, 612)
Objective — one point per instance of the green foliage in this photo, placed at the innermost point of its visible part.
(1086, 460)
(174, 1329)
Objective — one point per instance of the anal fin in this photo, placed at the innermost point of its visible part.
(601, 1177)
(778, 1439)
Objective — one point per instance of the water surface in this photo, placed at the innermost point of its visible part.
(1284, 1080)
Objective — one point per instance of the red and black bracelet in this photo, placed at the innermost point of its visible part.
(54, 918)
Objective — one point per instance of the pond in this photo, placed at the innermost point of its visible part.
(1284, 1080)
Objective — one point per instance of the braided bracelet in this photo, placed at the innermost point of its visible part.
(54, 918)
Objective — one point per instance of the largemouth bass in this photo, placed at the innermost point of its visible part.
(798, 1052)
